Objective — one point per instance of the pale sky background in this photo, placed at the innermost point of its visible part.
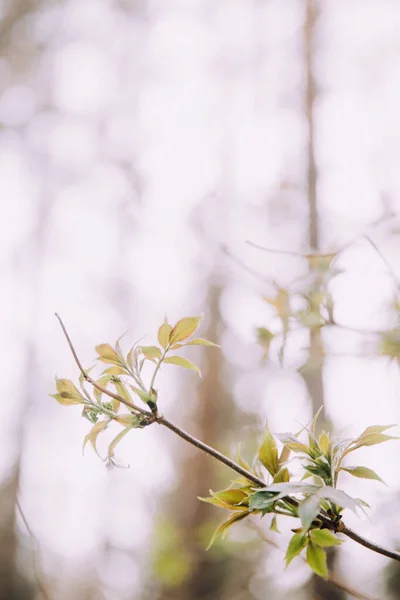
(132, 149)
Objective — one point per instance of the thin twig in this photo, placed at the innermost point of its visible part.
(384, 259)
(92, 381)
(42, 586)
(332, 578)
(367, 544)
(333, 526)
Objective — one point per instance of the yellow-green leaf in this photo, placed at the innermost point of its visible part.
(121, 391)
(65, 401)
(130, 419)
(296, 545)
(223, 528)
(268, 453)
(179, 361)
(230, 496)
(324, 443)
(146, 397)
(92, 435)
(324, 538)
(67, 393)
(151, 351)
(184, 329)
(107, 354)
(274, 525)
(164, 334)
(316, 559)
(201, 342)
(363, 473)
(115, 370)
(117, 439)
(282, 475)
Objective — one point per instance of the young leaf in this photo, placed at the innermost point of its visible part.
(339, 497)
(229, 499)
(296, 545)
(67, 394)
(308, 510)
(324, 538)
(362, 473)
(115, 370)
(316, 559)
(143, 395)
(282, 476)
(92, 435)
(184, 329)
(314, 421)
(262, 500)
(107, 354)
(117, 439)
(201, 342)
(151, 351)
(274, 525)
(292, 443)
(121, 391)
(130, 419)
(182, 362)
(223, 528)
(164, 334)
(324, 443)
(268, 453)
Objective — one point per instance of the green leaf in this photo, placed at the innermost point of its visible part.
(291, 442)
(262, 500)
(315, 419)
(107, 354)
(184, 329)
(308, 509)
(201, 342)
(129, 419)
(268, 453)
(117, 439)
(121, 391)
(103, 381)
(339, 497)
(296, 545)
(115, 370)
(324, 443)
(68, 394)
(362, 473)
(374, 438)
(316, 559)
(282, 476)
(151, 351)
(92, 435)
(182, 362)
(223, 528)
(229, 499)
(164, 334)
(375, 429)
(324, 538)
(145, 396)
(274, 525)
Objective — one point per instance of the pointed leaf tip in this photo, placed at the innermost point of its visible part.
(184, 329)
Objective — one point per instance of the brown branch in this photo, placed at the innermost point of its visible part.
(367, 544)
(336, 527)
(332, 578)
(93, 382)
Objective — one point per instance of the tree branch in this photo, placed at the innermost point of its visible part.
(336, 527)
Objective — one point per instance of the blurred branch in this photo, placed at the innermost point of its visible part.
(154, 417)
(332, 578)
(384, 259)
(39, 578)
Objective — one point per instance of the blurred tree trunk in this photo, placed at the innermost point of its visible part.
(214, 574)
(313, 369)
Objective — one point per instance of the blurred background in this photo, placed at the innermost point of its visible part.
(143, 143)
